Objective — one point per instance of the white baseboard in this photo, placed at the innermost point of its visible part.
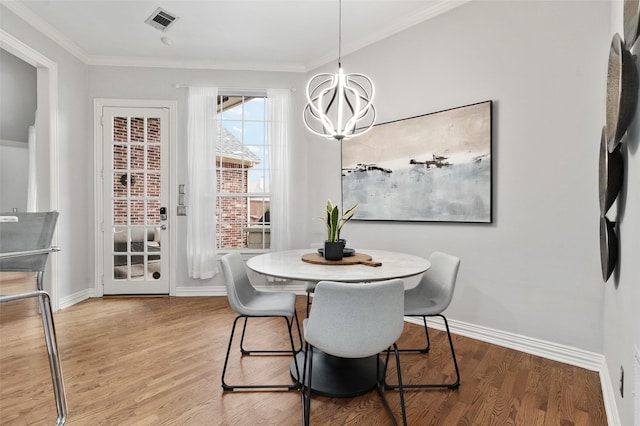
(201, 291)
(608, 396)
(78, 297)
(566, 354)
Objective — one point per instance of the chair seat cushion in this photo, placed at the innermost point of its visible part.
(422, 306)
(271, 303)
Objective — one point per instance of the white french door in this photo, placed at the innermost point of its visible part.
(135, 181)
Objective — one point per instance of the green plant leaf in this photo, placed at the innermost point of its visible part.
(334, 221)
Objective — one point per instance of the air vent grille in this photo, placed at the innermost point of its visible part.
(161, 19)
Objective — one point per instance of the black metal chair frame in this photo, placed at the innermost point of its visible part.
(44, 302)
(243, 351)
(453, 385)
(309, 291)
(380, 384)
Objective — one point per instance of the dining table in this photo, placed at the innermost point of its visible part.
(335, 376)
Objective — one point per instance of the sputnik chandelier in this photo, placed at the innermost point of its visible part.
(339, 105)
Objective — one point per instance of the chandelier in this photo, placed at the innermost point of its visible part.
(339, 105)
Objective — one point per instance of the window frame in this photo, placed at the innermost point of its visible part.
(241, 160)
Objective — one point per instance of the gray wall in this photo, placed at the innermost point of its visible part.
(536, 270)
(18, 103)
(74, 130)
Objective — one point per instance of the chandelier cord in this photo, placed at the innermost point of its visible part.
(340, 34)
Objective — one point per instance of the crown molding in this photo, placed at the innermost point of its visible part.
(41, 25)
(148, 62)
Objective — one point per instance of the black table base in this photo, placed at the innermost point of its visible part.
(339, 377)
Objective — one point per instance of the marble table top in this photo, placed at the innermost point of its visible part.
(289, 265)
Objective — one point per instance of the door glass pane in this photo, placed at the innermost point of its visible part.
(136, 216)
(153, 184)
(120, 212)
(153, 130)
(137, 157)
(137, 267)
(137, 129)
(153, 212)
(153, 157)
(120, 130)
(136, 186)
(119, 157)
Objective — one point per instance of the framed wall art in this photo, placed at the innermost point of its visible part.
(433, 168)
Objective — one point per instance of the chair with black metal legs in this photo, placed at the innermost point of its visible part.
(430, 298)
(354, 321)
(249, 302)
(25, 244)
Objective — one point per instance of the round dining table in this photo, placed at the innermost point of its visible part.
(335, 376)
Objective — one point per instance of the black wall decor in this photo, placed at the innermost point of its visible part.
(622, 99)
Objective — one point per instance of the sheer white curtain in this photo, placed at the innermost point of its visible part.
(32, 187)
(278, 111)
(201, 182)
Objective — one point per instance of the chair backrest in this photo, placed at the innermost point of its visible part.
(439, 281)
(239, 289)
(32, 231)
(355, 320)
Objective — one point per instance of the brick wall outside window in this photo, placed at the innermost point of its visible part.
(136, 162)
(232, 212)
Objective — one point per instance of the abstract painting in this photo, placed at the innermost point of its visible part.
(433, 167)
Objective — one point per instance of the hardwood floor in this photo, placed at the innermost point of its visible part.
(158, 361)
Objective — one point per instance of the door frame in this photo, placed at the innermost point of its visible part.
(98, 105)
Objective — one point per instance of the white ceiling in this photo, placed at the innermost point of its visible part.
(285, 35)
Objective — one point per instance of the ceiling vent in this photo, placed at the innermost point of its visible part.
(161, 19)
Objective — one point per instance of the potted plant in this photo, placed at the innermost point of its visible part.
(333, 245)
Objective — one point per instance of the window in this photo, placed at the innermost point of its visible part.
(242, 173)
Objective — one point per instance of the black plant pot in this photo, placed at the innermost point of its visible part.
(333, 250)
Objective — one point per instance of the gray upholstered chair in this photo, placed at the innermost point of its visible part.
(430, 298)
(354, 321)
(249, 302)
(25, 245)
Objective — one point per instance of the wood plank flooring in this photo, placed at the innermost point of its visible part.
(158, 361)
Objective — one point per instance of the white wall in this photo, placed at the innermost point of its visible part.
(536, 270)
(74, 261)
(622, 291)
